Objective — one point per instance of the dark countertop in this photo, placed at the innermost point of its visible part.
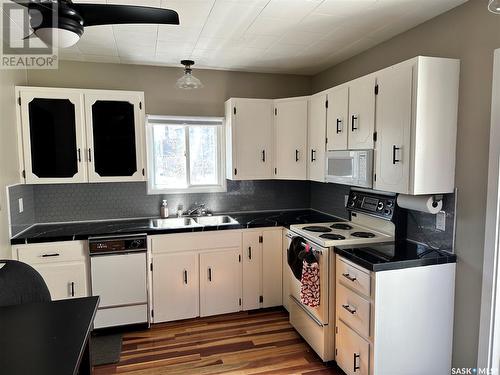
(394, 255)
(83, 230)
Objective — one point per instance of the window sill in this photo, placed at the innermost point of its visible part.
(189, 190)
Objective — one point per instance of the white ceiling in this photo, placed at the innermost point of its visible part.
(277, 36)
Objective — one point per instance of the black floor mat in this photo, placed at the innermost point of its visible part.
(106, 349)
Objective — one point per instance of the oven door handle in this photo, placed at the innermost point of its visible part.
(316, 320)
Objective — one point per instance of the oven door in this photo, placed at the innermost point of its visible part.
(318, 314)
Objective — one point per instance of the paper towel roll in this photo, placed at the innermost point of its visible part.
(423, 203)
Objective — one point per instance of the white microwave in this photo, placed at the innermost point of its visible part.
(353, 168)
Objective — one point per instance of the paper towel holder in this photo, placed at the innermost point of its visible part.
(436, 199)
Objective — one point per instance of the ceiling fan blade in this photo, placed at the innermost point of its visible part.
(109, 14)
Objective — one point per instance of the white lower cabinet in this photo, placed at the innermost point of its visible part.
(384, 325)
(272, 267)
(176, 292)
(62, 265)
(252, 269)
(209, 273)
(353, 352)
(220, 282)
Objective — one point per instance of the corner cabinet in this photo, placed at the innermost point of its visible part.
(249, 139)
(416, 119)
(290, 138)
(316, 135)
(77, 136)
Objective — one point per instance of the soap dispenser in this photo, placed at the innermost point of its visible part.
(164, 210)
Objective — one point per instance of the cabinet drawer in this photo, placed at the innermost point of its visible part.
(51, 252)
(353, 352)
(353, 310)
(353, 277)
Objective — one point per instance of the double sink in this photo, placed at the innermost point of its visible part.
(192, 222)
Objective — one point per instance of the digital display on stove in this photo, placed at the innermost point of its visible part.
(369, 204)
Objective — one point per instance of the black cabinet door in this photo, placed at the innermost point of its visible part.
(115, 146)
(52, 137)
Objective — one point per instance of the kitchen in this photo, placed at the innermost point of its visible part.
(267, 193)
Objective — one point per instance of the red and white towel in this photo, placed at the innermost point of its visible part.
(309, 290)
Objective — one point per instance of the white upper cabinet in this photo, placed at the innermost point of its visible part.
(337, 119)
(316, 136)
(77, 135)
(361, 113)
(115, 140)
(249, 134)
(290, 136)
(52, 126)
(416, 123)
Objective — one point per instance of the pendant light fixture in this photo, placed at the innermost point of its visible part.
(188, 80)
(494, 6)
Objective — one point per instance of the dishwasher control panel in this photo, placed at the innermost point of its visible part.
(122, 244)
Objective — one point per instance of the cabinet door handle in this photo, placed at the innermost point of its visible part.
(354, 119)
(210, 274)
(72, 289)
(249, 252)
(349, 277)
(355, 362)
(50, 255)
(296, 155)
(339, 126)
(264, 156)
(79, 156)
(350, 309)
(90, 155)
(394, 151)
(186, 277)
(313, 155)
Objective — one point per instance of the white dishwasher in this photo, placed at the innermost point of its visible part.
(118, 267)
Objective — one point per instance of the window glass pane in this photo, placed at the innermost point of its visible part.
(169, 156)
(203, 155)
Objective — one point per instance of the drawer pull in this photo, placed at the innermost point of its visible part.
(355, 360)
(50, 255)
(186, 277)
(210, 274)
(349, 277)
(72, 289)
(350, 309)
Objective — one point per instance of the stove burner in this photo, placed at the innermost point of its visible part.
(332, 236)
(317, 228)
(341, 226)
(363, 234)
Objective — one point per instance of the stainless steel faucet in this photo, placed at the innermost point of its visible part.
(198, 209)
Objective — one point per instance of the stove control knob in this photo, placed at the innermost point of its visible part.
(380, 206)
(388, 211)
(351, 203)
(135, 244)
(390, 203)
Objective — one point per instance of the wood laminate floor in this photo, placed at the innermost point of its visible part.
(260, 342)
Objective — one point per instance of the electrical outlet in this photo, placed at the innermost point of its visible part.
(21, 205)
(441, 221)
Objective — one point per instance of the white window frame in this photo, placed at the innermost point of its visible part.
(187, 121)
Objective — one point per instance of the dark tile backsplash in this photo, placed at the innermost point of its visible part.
(80, 202)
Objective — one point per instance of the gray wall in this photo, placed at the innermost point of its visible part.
(469, 33)
(158, 84)
(9, 171)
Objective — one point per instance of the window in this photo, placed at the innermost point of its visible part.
(185, 154)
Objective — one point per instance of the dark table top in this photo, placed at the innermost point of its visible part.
(46, 337)
(394, 255)
(84, 230)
